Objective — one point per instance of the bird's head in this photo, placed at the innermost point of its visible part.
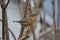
(33, 14)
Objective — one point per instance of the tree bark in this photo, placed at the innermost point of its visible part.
(5, 33)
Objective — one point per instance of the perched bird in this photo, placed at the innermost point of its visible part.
(27, 22)
(35, 12)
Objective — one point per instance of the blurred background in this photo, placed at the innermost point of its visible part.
(15, 11)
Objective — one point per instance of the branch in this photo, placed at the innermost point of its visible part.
(53, 13)
(27, 35)
(21, 32)
(25, 14)
(0, 20)
(7, 3)
(45, 25)
(43, 33)
(34, 36)
(10, 32)
(58, 14)
(24, 37)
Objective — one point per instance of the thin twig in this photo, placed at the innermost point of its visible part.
(44, 33)
(10, 32)
(53, 12)
(58, 17)
(26, 8)
(7, 3)
(34, 36)
(45, 26)
(21, 32)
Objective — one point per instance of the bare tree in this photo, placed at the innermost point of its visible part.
(5, 33)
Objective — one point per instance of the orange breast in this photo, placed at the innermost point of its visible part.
(32, 18)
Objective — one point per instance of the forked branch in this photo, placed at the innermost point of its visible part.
(7, 4)
(10, 32)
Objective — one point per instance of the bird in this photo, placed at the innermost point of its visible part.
(27, 22)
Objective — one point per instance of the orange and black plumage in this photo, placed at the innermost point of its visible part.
(27, 22)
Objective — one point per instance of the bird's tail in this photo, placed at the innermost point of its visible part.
(18, 21)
